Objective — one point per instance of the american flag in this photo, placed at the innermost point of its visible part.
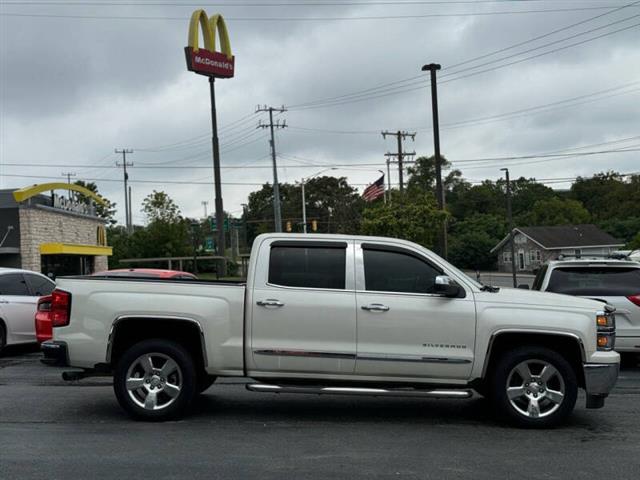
(375, 190)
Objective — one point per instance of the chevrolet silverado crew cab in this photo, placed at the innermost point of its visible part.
(334, 314)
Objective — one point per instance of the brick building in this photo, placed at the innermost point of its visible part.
(50, 233)
(536, 245)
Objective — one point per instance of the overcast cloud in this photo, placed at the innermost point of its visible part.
(73, 89)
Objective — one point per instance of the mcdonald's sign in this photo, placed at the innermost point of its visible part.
(207, 61)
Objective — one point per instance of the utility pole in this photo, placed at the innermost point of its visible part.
(400, 155)
(389, 179)
(69, 175)
(433, 68)
(204, 204)
(510, 219)
(276, 188)
(124, 166)
(130, 215)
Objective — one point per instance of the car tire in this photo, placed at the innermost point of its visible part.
(205, 381)
(533, 387)
(3, 337)
(155, 380)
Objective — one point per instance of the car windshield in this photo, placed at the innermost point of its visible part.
(605, 281)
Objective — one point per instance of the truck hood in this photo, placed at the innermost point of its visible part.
(517, 296)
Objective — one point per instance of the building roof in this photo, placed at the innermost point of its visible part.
(566, 236)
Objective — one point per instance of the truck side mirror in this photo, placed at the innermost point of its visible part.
(446, 287)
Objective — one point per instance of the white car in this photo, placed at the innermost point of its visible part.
(337, 314)
(19, 293)
(614, 281)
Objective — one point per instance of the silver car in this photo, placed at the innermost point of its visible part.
(19, 293)
(616, 282)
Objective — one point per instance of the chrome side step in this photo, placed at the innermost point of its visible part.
(375, 392)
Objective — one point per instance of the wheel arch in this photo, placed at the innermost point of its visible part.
(128, 330)
(566, 344)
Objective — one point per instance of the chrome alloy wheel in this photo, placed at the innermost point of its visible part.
(535, 388)
(154, 381)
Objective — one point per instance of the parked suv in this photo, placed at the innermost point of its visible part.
(614, 281)
(19, 293)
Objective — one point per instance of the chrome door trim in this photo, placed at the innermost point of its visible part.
(112, 331)
(304, 353)
(410, 358)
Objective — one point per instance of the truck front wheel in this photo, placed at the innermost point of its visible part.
(534, 387)
(155, 380)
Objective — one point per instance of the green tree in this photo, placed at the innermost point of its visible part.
(415, 218)
(555, 211)
(331, 202)
(106, 211)
(158, 206)
(472, 239)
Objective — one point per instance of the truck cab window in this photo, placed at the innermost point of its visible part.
(392, 271)
(309, 267)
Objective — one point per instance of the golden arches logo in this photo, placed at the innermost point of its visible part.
(101, 236)
(208, 61)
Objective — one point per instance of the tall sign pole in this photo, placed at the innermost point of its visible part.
(433, 68)
(213, 64)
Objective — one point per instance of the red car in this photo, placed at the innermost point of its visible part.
(146, 273)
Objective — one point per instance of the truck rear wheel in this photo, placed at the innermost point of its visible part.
(155, 380)
(534, 387)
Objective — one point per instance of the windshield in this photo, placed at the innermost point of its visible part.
(605, 281)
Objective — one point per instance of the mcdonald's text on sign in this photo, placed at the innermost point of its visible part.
(208, 61)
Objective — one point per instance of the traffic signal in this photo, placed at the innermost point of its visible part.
(314, 225)
(289, 227)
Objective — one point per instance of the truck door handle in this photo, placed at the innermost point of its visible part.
(270, 302)
(375, 307)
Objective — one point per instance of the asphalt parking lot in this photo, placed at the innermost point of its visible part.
(53, 429)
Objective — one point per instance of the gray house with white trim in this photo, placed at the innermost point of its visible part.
(536, 245)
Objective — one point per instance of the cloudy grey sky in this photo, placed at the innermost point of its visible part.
(80, 78)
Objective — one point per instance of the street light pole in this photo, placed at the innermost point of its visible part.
(432, 68)
(510, 219)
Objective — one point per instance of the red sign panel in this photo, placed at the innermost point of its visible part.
(211, 64)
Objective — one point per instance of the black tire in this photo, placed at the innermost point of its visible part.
(521, 410)
(205, 381)
(3, 337)
(171, 396)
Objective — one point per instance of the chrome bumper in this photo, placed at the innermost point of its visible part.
(599, 380)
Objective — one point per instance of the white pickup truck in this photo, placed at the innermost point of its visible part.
(334, 314)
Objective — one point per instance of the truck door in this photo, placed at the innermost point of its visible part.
(404, 329)
(303, 317)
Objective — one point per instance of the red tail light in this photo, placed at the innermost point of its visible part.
(60, 308)
(44, 329)
(635, 299)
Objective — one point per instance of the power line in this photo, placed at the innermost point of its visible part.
(543, 53)
(579, 34)
(271, 4)
(544, 35)
(384, 87)
(315, 19)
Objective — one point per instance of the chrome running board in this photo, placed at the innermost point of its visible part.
(375, 392)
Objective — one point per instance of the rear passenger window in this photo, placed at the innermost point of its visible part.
(40, 286)
(309, 267)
